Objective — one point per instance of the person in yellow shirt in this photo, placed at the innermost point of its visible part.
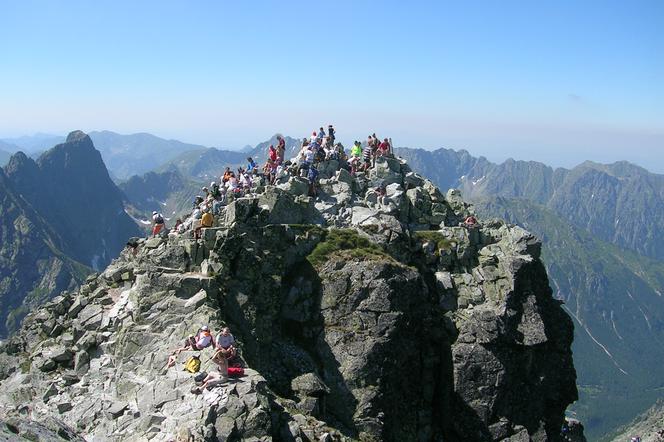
(207, 219)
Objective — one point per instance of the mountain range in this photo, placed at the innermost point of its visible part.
(599, 224)
(63, 218)
(604, 259)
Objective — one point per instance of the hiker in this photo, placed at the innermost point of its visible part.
(227, 175)
(270, 171)
(330, 153)
(367, 153)
(311, 176)
(252, 167)
(314, 135)
(356, 150)
(201, 340)
(211, 380)
(470, 222)
(225, 345)
(214, 190)
(158, 223)
(384, 148)
(207, 220)
(381, 192)
(281, 149)
(132, 245)
(245, 181)
(331, 133)
(272, 153)
(232, 183)
(321, 133)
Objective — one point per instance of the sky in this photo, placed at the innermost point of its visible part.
(559, 82)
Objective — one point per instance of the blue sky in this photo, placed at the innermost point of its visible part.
(558, 82)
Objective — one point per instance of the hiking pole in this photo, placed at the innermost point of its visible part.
(213, 356)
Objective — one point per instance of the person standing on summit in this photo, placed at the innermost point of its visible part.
(272, 153)
(157, 223)
(281, 149)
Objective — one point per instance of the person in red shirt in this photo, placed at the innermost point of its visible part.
(281, 149)
(384, 148)
(272, 153)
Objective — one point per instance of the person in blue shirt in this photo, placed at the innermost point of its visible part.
(312, 175)
(251, 165)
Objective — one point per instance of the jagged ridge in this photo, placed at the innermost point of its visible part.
(446, 334)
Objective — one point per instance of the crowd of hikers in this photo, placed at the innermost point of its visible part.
(321, 146)
(224, 355)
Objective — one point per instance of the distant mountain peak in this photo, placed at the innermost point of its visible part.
(76, 136)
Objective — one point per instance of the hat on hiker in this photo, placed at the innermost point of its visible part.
(154, 212)
(204, 328)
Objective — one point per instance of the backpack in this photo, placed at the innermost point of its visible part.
(193, 364)
(159, 219)
(235, 371)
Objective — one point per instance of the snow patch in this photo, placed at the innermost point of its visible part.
(479, 180)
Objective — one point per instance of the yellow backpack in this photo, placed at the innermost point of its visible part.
(193, 364)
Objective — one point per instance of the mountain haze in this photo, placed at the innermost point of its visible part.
(135, 154)
(208, 164)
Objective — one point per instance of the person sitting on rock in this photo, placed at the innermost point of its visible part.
(158, 223)
(226, 343)
(132, 245)
(232, 184)
(225, 349)
(381, 193)
(227, 175)
(213, 379)
(200, 341)
(270, 171)
(207, 220)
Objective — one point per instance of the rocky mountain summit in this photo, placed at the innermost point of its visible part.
(358, 318)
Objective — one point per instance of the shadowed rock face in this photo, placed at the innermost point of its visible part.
(69, 187)
(394, 325)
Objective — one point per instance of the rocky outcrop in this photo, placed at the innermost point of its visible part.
(359, 317)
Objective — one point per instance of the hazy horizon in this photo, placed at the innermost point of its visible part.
(560, 83)
(547, 157)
